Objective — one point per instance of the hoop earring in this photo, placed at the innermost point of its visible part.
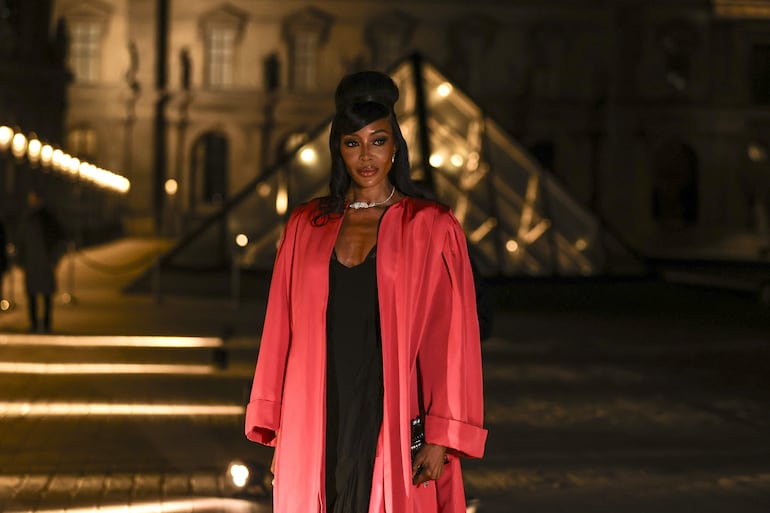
(393, 159)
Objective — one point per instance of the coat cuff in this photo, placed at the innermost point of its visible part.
(262, 421)
(460, 437)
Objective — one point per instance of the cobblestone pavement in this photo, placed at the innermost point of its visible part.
(609, 397)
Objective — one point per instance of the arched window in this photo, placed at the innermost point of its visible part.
(209, 163)
(675, 185)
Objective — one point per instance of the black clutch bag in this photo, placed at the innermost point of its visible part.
(418, 436)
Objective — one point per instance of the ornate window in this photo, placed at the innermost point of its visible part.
(87, 22)
(85, 50)
(306, 31)
(222, 30)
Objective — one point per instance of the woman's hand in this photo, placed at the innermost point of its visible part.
(428, 464)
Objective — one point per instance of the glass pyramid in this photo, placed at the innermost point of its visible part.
(518, 219)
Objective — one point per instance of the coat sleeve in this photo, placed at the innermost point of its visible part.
(450, 353)
(263, 412)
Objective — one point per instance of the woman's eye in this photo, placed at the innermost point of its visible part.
(350, 143)
(380, 141)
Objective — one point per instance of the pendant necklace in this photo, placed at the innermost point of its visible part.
(357, 205)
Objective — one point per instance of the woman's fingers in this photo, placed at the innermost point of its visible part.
(428, 464)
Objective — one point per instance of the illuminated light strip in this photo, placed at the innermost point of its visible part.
(43, 409)
(171, 506)
(742, 8)
(108, 341)
(482, 231)
(101, 368)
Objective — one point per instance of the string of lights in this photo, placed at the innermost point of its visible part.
(47, 156)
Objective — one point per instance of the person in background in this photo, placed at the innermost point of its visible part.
(368, 380)
(39, 241)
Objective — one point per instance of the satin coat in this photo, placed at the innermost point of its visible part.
(427, 315)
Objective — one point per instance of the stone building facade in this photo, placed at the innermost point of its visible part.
(654, 114)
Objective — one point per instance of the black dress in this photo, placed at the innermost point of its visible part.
(353, 384)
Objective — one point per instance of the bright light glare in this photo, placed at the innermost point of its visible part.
(436, 160)
(239, 474)
(56, 158)
(64, 162)
(6, 134)
(74, 166)
(281, 201)
(18, 145)
(108, 341)
(512, 246)
(102, 368)
(46, 154)
(444, 89)
(581, 244)
(308, 155)
(13, 409)
(241, 240)
(456, 160)
(33, 149)
(5, 305)
(171, 186)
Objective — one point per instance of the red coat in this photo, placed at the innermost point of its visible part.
(427, 308)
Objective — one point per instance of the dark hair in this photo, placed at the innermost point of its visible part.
(361, 99)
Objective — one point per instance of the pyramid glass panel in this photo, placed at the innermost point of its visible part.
(517, 217)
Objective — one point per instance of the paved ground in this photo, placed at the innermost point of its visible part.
(600, 397)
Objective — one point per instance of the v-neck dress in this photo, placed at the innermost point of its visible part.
(354, 388)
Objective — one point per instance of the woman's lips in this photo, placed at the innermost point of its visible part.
(367, 171)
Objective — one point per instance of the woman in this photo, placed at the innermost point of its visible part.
(371, 323)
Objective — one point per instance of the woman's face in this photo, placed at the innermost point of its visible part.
(368, 154)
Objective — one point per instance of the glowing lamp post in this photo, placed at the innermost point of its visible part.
(19, 145)
(6, 135)
(34, 150)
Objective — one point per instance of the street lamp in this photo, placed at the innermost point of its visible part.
(34, 149)
(56, 159)
(249, 478)
(74, 166)
(46, 155)
(19, 145)
(6, 134)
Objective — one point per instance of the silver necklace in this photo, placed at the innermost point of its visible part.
(357, 205)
